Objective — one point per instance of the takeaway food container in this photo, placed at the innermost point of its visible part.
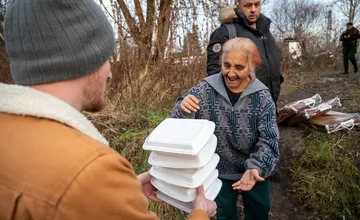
(190, 178)
(180, 136)
(183, 158)
(210, 194)
(185, 161)
(181, 193)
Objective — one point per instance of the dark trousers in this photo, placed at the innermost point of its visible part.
(256, 201)
(349, 52)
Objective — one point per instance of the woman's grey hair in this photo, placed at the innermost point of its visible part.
(249, 48)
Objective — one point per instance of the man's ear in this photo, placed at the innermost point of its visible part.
(237, 5)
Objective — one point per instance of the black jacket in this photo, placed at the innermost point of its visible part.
(269, 72)
(351, 41)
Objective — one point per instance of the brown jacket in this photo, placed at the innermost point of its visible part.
(49, 170)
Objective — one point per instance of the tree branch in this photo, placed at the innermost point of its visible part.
(134, 29)
(150, 12)
(139, 14)
(149, 24)
(163, 27)
(343, 6)
(102, 4)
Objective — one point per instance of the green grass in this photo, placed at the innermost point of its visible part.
(326, 178)
(355, 92)
(322, 155)
(352, 105)
(127, 135)
(167, 212)
(156, 116)
(291, 90)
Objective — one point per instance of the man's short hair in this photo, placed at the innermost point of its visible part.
(349, 23)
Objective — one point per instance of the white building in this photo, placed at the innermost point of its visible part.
(294, 48)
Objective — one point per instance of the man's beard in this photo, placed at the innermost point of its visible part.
(94, 100)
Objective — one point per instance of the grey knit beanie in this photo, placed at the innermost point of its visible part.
(56, 40)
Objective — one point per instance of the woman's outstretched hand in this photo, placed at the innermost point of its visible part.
(248, 180)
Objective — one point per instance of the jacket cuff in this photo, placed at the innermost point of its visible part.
(198, 214)
(253, 164)
(185, 114)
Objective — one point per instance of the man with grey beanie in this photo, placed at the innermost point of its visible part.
(54, 164)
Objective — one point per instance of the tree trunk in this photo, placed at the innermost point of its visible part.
(348, 8)
(163, 28)
(142, 33)
(351, 11)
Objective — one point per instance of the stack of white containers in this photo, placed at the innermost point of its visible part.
(183, 158)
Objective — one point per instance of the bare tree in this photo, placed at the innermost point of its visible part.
(151, 34)
(349, 8)
(296, 18)
(157, 27)
(141, 31)
(191, 42)
(300, 20)
(164, 21)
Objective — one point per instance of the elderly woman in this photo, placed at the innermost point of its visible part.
(245, 117)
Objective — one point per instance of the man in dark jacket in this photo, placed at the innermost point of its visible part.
(349, 43)
(249, 23)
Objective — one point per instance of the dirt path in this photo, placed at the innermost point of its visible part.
(299, 86)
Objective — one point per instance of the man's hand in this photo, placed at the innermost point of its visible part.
(147, 188)
(201, 202)
(248, 180)
(190, 104)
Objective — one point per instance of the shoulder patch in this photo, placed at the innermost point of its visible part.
(216, 48)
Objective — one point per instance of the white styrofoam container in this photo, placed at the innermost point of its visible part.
(185, 161)
(189, 178)
(180, 136)
(210, 194)
(181, 193)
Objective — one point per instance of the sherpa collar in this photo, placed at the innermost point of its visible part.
(230, 14)
(22, 100)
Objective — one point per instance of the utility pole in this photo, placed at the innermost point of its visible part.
(329, 23)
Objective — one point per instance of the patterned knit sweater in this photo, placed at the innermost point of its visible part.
(247, 132)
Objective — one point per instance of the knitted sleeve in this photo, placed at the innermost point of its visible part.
(267, 155)
(196, 91)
